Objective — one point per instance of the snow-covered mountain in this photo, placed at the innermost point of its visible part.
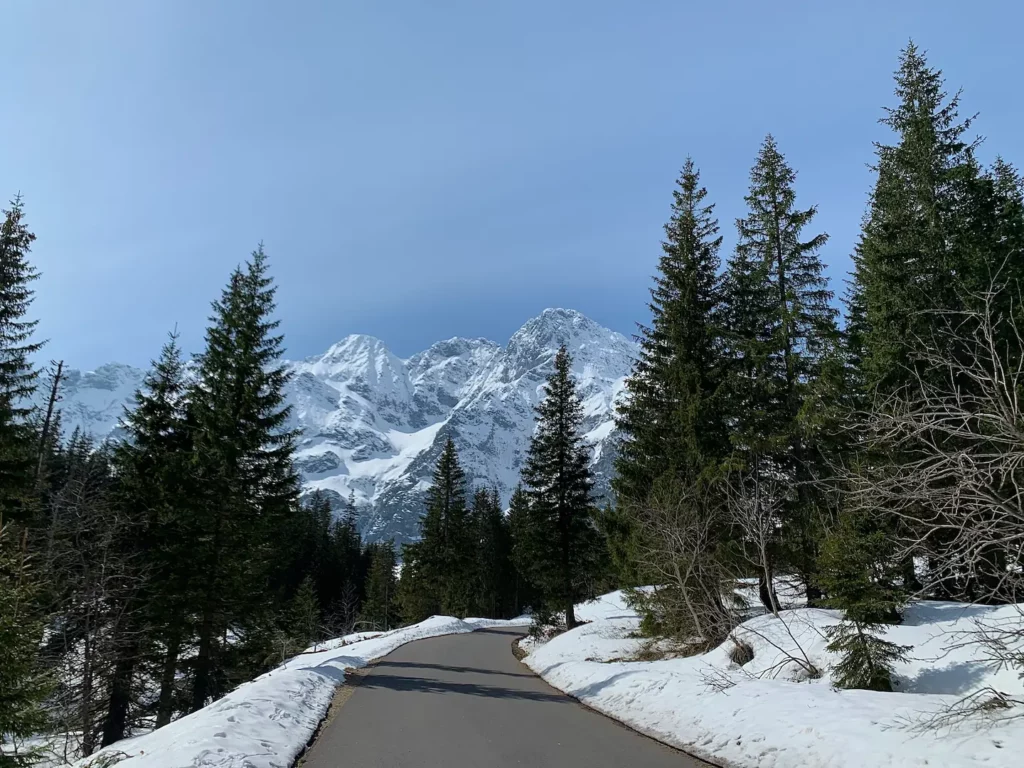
(373, 424)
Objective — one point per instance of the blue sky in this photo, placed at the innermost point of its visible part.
(419, 170)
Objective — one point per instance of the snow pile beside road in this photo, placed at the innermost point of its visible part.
(267, 722)
(771, 713)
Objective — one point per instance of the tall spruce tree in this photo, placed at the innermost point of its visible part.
(247, 485)
(381, 608)
(672, 420)
(349, 589)
(915, 240)
(781, 332)
(445, 554)
(938, 232)
(492, 578)
(151, 465)
(524, 594)
(18, 376)
(560, 543)
(24, 687)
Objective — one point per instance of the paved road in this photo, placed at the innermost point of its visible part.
(463, 701)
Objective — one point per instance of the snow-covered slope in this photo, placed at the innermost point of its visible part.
(373, 424)
(769, 713)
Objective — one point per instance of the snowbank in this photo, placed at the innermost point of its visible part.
(267, 722)
(769, 713)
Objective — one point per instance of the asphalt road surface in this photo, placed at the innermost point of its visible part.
(462, 701)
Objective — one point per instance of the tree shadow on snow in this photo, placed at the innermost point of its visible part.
(958, 678)
(593, 688)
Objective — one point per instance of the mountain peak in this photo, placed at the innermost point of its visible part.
(354, 344)
(373, 424)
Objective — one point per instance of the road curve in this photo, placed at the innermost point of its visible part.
(463, 701)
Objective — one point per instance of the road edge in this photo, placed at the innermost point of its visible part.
(709, 760)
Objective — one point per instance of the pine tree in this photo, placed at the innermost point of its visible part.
(242, 462)
(152, 489)
(913, 243)
(18, 377)
(445, 554)
(673, 422)
(524, 593)
(492, 556)
(782, 332)
(672, 419)
(560, 545)
(304, 620)
(861, 576)
(381, 608)
(940, 234)
(417, 597)
(23, 686)
(349, 587)
(998, 217)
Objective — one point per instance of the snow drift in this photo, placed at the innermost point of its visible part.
(266, 723)
(769, 713)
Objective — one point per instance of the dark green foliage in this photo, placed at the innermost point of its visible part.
(782, 335)
(246, 484)
(617, 529)
(417, 599)
(859, 573)
(462, 564)
(942, 238)
(381, 607)
(493, 575)
(23, 685)
(672, 420)
(524, 594)
(867, 659)
(304, 621)
(916, 237)
(998, 228)
(18, 377)
(441, 579)
(559, 548)
(153, 490)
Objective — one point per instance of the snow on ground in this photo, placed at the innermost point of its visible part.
(769, 713)
(267, 722)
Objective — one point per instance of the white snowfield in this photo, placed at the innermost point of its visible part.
(768, 714)
(266, 723)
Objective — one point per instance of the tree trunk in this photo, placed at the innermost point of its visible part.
(766, 591)
(165, 707)
(115, 724)
(85, 706)
(570, 613)
(202, 683)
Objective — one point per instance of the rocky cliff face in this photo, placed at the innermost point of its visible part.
(373, 424)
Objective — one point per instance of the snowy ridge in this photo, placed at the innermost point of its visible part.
(373, 424)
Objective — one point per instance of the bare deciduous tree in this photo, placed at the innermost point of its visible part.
(955, 477)
(677, 530)
(946, 462)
